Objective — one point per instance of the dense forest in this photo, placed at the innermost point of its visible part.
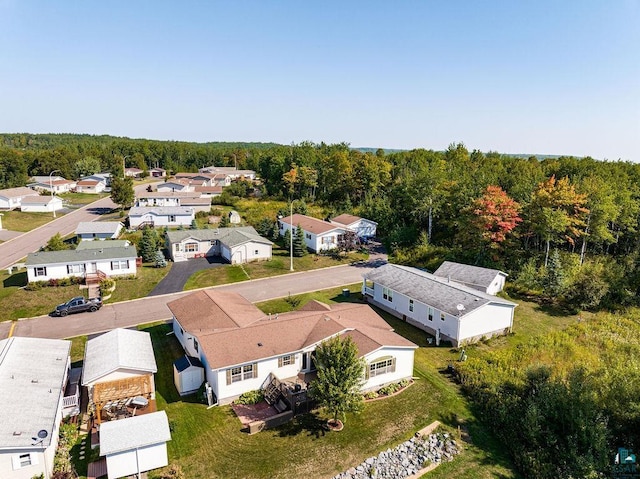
(565, 229)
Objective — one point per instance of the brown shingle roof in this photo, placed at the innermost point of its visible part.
(18, 192)
(346, 219)
(209, 311)
(208, 189)
(261, 337)
(88, 182)
(310, 224)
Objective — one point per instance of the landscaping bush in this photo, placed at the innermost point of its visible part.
(36, 285)
(250, 397)
(371, 395)
(107, 284)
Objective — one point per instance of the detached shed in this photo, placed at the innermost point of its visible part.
(234, 217)
(188, 375)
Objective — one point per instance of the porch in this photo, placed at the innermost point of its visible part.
(117, 410)
(71, 398)
(112, 400)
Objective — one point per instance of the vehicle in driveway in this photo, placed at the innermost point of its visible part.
(78, 305)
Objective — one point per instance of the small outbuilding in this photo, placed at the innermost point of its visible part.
(41, 204)
(234, 217)
(135, 444)
(188, 374)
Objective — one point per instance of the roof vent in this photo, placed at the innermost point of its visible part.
(260, 344)
(17, 433)
(34, 381)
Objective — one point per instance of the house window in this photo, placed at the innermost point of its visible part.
(411, 305)
(387, 294)
(255, 252)
(382, 366)
(242, 373)
(441, 316)
(25, 460)
(41, 271)
(75, 268)
(430, 313)
(172, 218)
(307, 235)
(191, 247)
(285, 360)
(118, 265)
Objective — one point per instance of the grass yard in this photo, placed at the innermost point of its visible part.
(279, 264)
(24, 221)
(140, 286)
(207, 443)
(77, 200)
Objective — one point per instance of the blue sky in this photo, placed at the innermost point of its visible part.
(543, 77)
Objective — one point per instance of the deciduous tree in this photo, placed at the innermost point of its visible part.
(494, 216)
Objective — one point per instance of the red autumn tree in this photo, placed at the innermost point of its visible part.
(495, 215)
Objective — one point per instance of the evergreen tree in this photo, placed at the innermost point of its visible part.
(159, 260)
(287, 239)
(264, 228)
(224, 221)
(554, 283)
(194, 225)
(147, 245)
(275, 232)
(299, 246)
(56, 243)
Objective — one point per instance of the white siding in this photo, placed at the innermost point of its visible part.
(404, 366)
(497, 285)
(161, 220)
(58, 271)
(143, 459)
(56, 205)
(251, 252)
(316, 243)
(490, 319)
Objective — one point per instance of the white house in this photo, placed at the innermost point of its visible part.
(164, 198)
(363, 227)
(242, 349)
(176, 186)
(318, 235)
(11, 198)
(235, 245)
(102, 177)
(195, 179)
(487, 280)
(133, 172)
(188, 374)
(161, 216)
(210, 191)
(98, 230)
(59, 185)
(41, 204)
(90, 186)
(445, 308)
(230, 171)
(135, 444)
(118, 366)
(87, 263)
(33, 376)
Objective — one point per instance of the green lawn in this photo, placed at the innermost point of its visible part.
(24, 221)
(81, 199)
(17, 302)
(279, 264)
(140, 286)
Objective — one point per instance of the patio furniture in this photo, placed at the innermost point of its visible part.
(139, 402)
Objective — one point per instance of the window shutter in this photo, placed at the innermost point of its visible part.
(393, 365)
(280, 362)
(34, 458)
(228, 376)
(255, 370)
(366, 371)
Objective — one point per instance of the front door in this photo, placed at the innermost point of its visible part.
(92, 268)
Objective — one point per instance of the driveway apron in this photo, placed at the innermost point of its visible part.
(180, 272)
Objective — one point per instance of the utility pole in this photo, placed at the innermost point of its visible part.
(291, 235)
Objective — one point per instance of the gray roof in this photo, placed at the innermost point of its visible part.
(185, 362)
(80, 255)
(160, 210)
(99, 244)
(31, 375)
(40, 200)
(18, 192)
(134, 432)
(467, 274)
(229, 236)
(429, 289)
(85, 227)
(118, 349)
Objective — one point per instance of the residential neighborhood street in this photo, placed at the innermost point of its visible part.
(154, 308)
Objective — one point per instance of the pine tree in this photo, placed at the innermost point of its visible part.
(275, 235)
(56, 243)
(147, 245)
(159, 260)
(224, 221)
(287, 239)
(299, 246)
(554, 283)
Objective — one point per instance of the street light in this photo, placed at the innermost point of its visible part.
(291, 235)
(51, 188)
(124, 157)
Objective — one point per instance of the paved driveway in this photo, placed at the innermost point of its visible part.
(181, 271)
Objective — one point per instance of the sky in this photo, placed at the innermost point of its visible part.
(543, 77)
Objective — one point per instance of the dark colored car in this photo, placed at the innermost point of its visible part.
(78, 305)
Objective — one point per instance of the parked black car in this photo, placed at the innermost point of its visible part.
(78, 305)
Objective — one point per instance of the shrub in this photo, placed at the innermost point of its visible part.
(371, 395)
(107, 284)
(293, 301)
(250, 397)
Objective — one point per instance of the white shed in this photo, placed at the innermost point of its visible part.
(41, 204)
(234, 217)
(188, 375)
(135, 444)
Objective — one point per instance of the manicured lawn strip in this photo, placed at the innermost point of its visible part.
(146, 279)
(81, 199)
(24, 221)
(279, 264)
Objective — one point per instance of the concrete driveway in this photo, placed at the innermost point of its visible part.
(181, 271)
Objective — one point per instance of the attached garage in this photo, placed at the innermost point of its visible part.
(188, 375)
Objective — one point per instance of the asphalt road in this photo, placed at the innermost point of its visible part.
(154, 308)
